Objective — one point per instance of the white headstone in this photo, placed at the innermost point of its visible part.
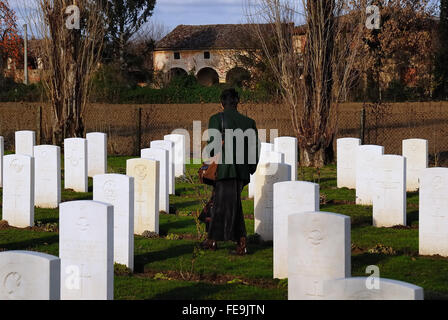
(118, 190)
(389, 201)
(86, 250)
(266, 176)
(179, 152)
(169, 146)
(290, 197)
(97, 151)
(346, 162)
(18, 190)
(28, 275)
(75, 164)
(433, 212)
(416, 153)
(264, 149)
(25, 142)
(319, 249)
(366, 166)
(47, 180)
(289, 147)
(356, 288)
(146, 186)
(161, 156)
(2, 153)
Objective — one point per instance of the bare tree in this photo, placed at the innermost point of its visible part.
(314, 74)
(70, 56)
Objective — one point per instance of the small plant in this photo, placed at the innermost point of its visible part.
(172, 236)
(161, 276)
(121, 270)
(382, 249)
(283, 284)
(236, 281)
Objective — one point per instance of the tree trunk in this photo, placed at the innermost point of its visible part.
(317, 159)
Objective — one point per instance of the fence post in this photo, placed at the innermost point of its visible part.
(363, 125)
(139, 131)
(39, 125)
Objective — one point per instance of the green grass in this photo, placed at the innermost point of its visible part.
(171, 266)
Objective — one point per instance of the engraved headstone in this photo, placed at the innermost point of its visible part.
(97, 151)
(18, 190)
(266, 176)
(75, 164)
(161, 156)
(25, 142)
(289, 147)
(29, 275)
(264, 151)
(319, 249)
(346, 162)
(416, 153)
(146, 186)
(179, 153)
(47, 180)
(433, 212)
(366, 166)
(86, 250)
(356, 289)
(168, 146)
(290, 197)
(118, 190)
(389, 201)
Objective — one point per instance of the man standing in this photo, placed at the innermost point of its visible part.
(240, 135)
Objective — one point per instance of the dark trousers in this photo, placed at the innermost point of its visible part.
(227, 218)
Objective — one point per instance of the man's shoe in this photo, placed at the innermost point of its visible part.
(209, 245)
(241, 248)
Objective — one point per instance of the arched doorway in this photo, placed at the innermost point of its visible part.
(237, 76)
(177, 72)
(207, 77)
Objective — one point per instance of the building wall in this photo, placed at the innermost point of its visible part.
(222, 61)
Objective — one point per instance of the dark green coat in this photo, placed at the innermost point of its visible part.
(235, 120)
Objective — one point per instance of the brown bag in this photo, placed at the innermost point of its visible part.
(208, 172)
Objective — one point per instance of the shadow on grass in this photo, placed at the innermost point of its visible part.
(196, 291)
(366, 259)
(141, 260)
(412, 216)
(173, 225)
(31, 243)
(186, 204)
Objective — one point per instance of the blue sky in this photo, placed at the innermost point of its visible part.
(174, 12)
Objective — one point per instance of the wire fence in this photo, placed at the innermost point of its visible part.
(132, 127)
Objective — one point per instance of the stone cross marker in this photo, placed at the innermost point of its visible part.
(29, 275)
(97, 151)
(366, 166)
(346, 162)
(433, 212)
(266, 176)
(290, 197)
(169, 146)
(319, 249)
(146, 195)
(389, 201)
(179, 152)
(25, 142)
(86, 250)
(75, 164)
(18, 190)
(289, 147)
(118, 190)
(416, 153)
(2, 153)
(47, 180)
(161, 155)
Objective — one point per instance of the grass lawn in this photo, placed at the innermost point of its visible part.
(173, 267)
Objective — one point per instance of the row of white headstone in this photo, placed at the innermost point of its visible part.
(382, 180)
(313, 250)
